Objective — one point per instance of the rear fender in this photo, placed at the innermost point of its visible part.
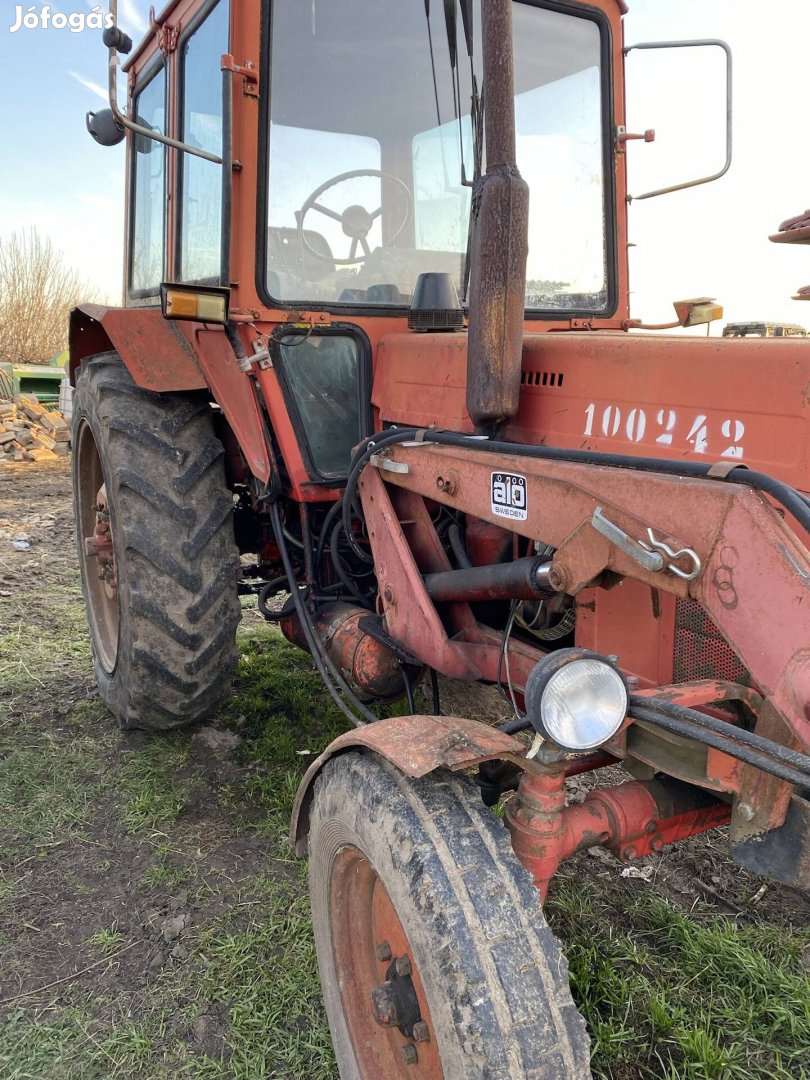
(167, 356)
(416, 745)
(157, 353)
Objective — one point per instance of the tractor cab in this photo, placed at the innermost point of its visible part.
(363, 126)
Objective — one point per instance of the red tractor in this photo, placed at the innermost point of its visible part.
(365, 362)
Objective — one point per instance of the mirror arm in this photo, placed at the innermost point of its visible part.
(687, 45)
(139, 129)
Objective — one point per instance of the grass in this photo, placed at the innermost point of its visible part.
(155, 781)
(665, 995)
(237, 996)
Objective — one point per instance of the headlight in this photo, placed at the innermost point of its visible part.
(576, 699)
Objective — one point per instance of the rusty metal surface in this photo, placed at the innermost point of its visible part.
(382, 993)
(755, 569)
(366, 662)
(596, 395)
(705, 692)
(416, 745)
(155, 350)
(633, 819)
(783, 853)
(500, 238)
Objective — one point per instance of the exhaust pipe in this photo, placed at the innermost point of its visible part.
(500, 239)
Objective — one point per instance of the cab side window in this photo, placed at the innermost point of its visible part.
(147, 251)
(200, 218)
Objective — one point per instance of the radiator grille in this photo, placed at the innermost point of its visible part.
(700, 650)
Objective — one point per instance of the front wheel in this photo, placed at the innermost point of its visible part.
(435, 958)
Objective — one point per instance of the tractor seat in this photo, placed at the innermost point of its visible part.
(286, 253)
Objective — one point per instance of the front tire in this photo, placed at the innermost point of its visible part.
(156, 548)
(421, 869)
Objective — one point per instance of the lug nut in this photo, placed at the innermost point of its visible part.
(403, 966)
(410, 1055)
(383, 952)
(421, 1032)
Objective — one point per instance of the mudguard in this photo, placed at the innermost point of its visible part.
(416, 745)
(157, 353)
(168, 356)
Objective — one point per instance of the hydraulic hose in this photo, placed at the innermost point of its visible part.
(333, 680)
(792, 500)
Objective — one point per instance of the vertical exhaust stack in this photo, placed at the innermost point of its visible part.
(500, 240)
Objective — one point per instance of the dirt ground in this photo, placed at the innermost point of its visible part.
(147, 892)
(121, 857)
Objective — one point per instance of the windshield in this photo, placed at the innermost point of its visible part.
(368, 154)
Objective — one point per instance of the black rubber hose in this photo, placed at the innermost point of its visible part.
(794, 758)
(457, 544)
(726, 743)
(434, 687)
(323, 535)
(406, 681)
(332, 678)
(340, 570)
(520, 723)
(792, 500)
(361, 459)
(271, 589)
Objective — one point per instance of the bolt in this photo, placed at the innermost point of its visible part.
(388, 596)
(448, 484)
(657, 844)
(410, 1055)
(558, 576)
(651, 826)
(383, 951)
(745, 810)
(421, 1032)
(403, 966)
(629, 853)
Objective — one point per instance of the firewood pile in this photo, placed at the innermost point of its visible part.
(30, 432)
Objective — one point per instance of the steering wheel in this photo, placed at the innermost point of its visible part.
(355, 220)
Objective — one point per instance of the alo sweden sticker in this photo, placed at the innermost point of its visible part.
(509, 496)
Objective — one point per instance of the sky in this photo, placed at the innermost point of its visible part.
(707, 241)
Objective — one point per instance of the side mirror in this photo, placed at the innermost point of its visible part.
(104, 128)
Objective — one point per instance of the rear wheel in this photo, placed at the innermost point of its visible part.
(435, 958)
(156, 548)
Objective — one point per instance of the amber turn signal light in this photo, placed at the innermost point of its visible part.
(199, 303)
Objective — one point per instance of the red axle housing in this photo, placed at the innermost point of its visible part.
(631, 820)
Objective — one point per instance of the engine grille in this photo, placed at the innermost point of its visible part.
(700, 649)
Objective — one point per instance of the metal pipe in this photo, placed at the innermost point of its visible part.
(523, 579)
(131, 125)
(227, 179)
(500, 238)
(729, 127)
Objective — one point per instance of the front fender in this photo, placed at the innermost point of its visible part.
(416, 745)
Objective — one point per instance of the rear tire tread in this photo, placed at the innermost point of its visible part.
(175, 549)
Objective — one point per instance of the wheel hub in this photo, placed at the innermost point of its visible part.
(99, 546)
(395, 1002)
